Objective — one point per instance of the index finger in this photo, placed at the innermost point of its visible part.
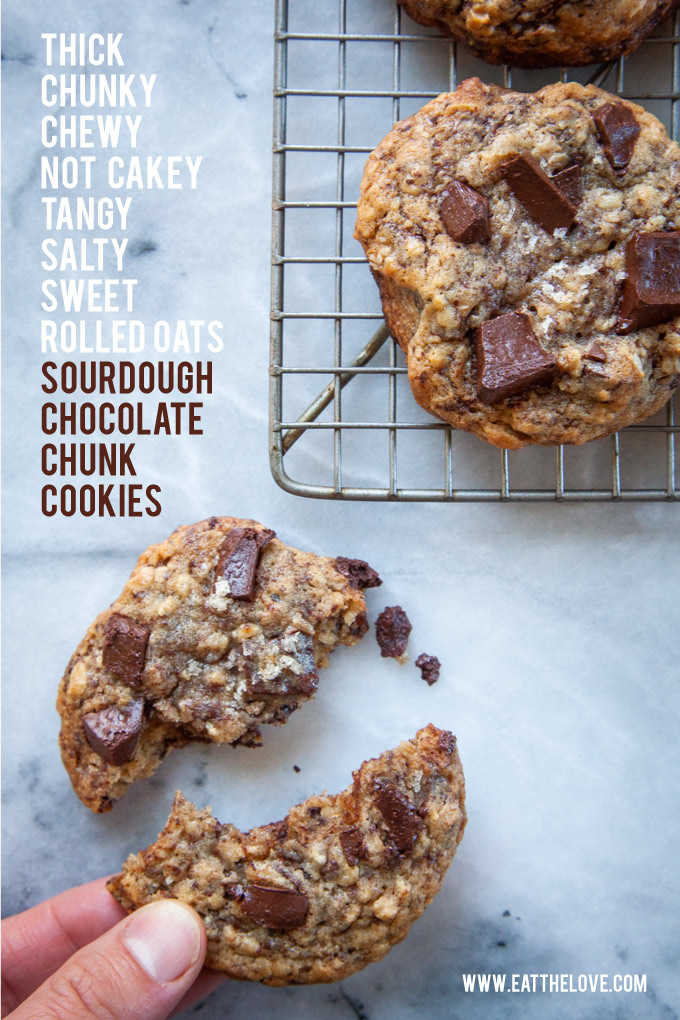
(38, 941)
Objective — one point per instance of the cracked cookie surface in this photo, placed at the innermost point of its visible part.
(565, 282)
(220, 628)
(533, 33)
(329, 889)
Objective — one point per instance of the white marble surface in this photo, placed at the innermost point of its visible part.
(556, 625)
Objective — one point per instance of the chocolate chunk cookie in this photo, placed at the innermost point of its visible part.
(220, 628)
(329, 889)
(527, 251)
(536, 33)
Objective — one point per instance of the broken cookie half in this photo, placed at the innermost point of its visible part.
(219, 628)
(329, 889)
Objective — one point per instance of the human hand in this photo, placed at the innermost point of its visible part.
(79, 956)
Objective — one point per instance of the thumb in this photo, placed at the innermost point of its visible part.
(138, 970)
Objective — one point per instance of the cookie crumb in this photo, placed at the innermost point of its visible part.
(429, 666)
(392, 629)
(358, 573)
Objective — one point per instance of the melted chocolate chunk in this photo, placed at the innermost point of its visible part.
(618, 130)
(392, 629)
(510, 358)
(651, 291)
(124, 650)
(465, 214)
(596, 353)
(275, 908)
(401, 818)
(113, 733)
(238, 557)
(352, 845)
(569, 183)
(542, 198)
(429, 666)
(358, 573)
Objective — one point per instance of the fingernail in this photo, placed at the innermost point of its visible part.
(165, 939)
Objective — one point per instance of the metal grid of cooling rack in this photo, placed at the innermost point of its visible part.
(317, 352)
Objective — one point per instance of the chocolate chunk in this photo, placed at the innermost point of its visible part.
(539, 194)
(446, 741)
(113, 733)
(359, 625)
(429, 666)
(465, 214)
(238, 557)
(275, 908)
(618, 129)
(510, 358)
(402, 820)
(251, 738)
(279, 830)
(124, 650)
(651, 291)
(596, 353)
(569, 183)
(392, 629)
(358, 573)
(352, 845)
(238, 569)
(307, 680)
(235, 535)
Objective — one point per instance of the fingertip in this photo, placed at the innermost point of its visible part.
(167, 939)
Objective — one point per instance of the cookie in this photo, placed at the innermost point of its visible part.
(329, 889)
(527, 251)
(533, 33)
(219, 629)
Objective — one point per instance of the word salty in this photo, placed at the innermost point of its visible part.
(84, 256)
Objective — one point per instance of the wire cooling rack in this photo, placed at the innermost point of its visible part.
(343, 422)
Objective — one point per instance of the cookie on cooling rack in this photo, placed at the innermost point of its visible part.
(327, 890)
(533, 33)
(219, 628)
(527, 251)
